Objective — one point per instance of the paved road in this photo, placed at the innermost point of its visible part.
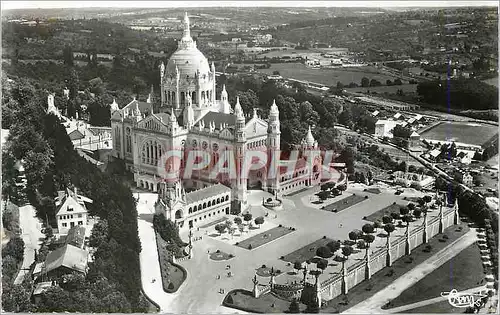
(374, 304)
(31, 235)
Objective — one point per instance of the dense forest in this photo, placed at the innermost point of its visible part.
(463, 94)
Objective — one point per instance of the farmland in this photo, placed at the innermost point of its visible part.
(327, 77)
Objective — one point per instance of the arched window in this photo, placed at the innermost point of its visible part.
(218, 200)
(209, 204)
(227, 197)
(193, 98)
(203, 95)
(190, 210)
(183, 98)
(204, 205)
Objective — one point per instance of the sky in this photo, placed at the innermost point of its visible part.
(6, 5)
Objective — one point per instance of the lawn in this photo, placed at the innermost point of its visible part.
(464, 132)
(344, 203)
(172, 275)
(385, 211)
(438, 307)
(383, 278)
(220, 255)
(267, 303)
(264, 237)
(462, 272)
(327, 77)
(307, 252)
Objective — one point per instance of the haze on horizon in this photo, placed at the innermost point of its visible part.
(12, 5)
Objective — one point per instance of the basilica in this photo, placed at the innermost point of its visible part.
(191, 117)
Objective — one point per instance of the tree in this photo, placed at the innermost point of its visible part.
(411, 206)
(14, 248)
(259, 221)
(368, 228)
(68, 55)
(398, 82)
(220, 228)
(323, 195)
(294, 307)
(388, 82)
(247, 217)
(365, 82)
(322, 264)
(387, 219)
(237, 220)
(417, 213)
(340, 86)
(276, 72)
(333, 246)
(324, 252)
(353, 235)
(389, 228)
(427, 199)
(297, 265)
(99, 234)
(404, 211)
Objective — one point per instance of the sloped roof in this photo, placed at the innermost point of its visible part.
(76, 135)
(219, 118)
(144, 107)
(70, 206)
(435, 152)
(76, 236)
(68, 256)
(206, 192)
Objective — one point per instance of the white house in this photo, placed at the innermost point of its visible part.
(70, 210)
(383, 128)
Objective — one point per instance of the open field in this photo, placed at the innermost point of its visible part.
(462, 272)
(264, 237)
(327, 77)
(307, 252)
(470, 133)
(344, 203)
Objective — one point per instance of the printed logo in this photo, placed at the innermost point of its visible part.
(458, 299)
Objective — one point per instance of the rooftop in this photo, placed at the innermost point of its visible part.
(206, 192)
(68, 256)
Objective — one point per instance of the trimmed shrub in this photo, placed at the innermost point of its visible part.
(250, 246)
(170, 286)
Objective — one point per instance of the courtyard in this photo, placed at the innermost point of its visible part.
(201, 293)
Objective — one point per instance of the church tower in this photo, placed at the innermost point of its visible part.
(240, 189)
(273, 147)
(226, 107)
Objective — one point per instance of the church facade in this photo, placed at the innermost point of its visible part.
(191, 118)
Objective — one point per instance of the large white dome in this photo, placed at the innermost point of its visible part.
(188, 61)
(187, 58)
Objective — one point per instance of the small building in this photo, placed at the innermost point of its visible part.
(463, 177)
(383, 128)
(70, 210)
(375, 113)
(464, 157)
(64, 260)
(40, 288)
(413, 179)
(414, 139)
